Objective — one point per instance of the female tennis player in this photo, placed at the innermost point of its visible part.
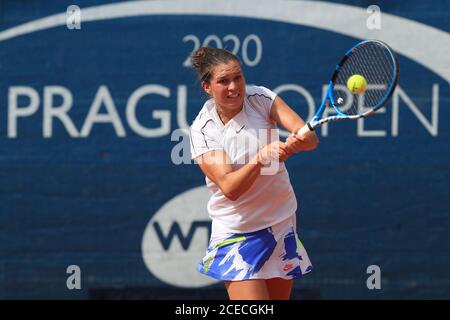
(254, 247)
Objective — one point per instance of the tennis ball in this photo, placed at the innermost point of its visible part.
(357, 83)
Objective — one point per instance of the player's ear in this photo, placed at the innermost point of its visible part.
(207, 87)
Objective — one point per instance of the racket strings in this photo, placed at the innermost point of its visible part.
(375, 80)
(374, 67)
(374, 62)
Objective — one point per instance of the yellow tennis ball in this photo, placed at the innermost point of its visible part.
(357, 83)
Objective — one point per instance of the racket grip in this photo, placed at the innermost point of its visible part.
(305, 129)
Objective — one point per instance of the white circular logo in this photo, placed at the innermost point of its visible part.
(176, 238)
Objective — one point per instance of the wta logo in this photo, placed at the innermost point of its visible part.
(176, 239)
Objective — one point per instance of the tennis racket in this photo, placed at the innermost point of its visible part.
(362, 83)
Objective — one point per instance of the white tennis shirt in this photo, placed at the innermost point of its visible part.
(271, 198)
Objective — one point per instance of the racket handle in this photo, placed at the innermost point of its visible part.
(305, 129)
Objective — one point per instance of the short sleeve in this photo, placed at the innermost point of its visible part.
(204, 137)
(261, 99)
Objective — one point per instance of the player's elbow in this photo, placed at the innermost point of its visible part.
(228, 190)
(232, 197)
(231, 194)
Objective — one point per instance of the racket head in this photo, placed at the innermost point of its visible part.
(377, 63)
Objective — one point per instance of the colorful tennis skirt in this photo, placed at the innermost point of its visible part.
(274, 252)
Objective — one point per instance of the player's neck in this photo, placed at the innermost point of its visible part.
(226, 115)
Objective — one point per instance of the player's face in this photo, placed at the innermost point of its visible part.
(227, 85)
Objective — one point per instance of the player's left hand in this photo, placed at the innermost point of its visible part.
(294, 144)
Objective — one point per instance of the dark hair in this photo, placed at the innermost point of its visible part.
(206, 58)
